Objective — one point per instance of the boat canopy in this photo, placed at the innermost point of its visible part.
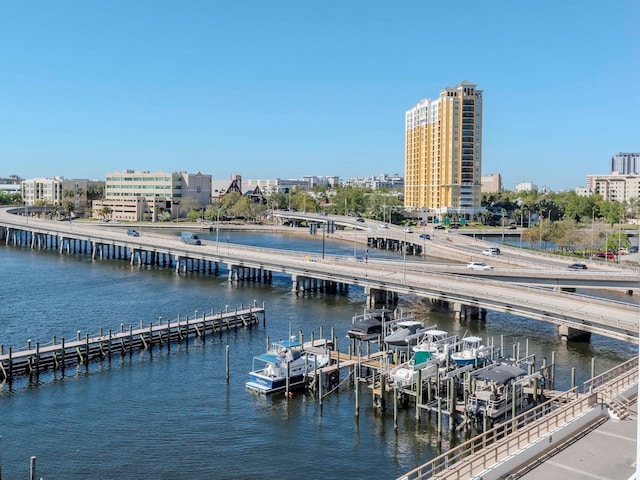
(499, 373)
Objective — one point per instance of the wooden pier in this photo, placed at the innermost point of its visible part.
(81, 351)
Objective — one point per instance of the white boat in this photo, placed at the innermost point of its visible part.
(494, 394)
(472, 352)
(438, 343)
(283, 360)
(422, 364)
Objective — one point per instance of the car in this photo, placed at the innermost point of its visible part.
(608, 255)
(133, 233)
(633, 249)
(577, 266)
(408, 230)
(438, 227)
(425, 236)
(384, 225)
(478, 266)
(492, 251)
(623, 251)
(512, 227)
(454, 227)
(359, 219)
(190, 238)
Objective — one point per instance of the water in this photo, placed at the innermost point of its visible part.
(174, 415)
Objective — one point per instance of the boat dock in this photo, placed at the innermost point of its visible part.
(58, 355)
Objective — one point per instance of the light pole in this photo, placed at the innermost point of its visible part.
(218, 229)
(540, 217)
(404, 259)
(593, 221)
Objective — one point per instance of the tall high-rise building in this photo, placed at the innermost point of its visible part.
(625, 163)
(443, 153)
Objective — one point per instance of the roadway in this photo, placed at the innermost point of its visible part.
(447, 282)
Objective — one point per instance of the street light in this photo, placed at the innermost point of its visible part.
(404, 258)
(540, 218)
(217, 229)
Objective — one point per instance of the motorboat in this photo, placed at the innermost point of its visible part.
(438, 343)
(369, 325)
(471, 352)
(284, 363)
(422, 365)
(406, 333)
(497, 386)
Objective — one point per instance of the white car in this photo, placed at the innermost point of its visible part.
(478, 266)
(491, 251)
(384, 225)
(408, 230)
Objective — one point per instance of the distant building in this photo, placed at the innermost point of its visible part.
(376, 182)
(278, 185)
(443, 153)
(219, 188)
(134, 196)
(42, 191)
(625, 163)
(491, 183)
(582, 191)
(619, 188)
(81, 192)
(11, 184)
(526, 187)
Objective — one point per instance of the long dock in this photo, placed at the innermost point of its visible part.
(81, 351)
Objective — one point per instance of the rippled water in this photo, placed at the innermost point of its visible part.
(174, 415)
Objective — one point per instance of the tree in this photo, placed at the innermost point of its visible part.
(105, 212)
(69, 207)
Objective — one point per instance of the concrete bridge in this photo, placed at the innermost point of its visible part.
(468, 293)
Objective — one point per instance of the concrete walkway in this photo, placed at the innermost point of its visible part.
(605, 452)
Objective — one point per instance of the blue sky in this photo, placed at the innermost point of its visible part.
(285, 89)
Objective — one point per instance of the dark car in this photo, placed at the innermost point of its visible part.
(425, 236)
(438, 227)
(633, 249)
(133, 233)
(359, 219)
(577, 266)
(454, 227)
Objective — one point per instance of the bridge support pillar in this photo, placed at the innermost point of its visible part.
(568, 333)
(472, 312)
(457, 310)
(294, 283)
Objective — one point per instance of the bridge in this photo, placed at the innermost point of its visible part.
(526, 292)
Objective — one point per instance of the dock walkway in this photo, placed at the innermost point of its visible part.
(81, 351)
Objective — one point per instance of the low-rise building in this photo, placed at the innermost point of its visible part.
(135, 196)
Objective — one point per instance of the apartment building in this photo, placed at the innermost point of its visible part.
(619, 188)
(443, 153)
(42, 191)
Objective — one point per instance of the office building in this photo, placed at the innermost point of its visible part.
(443, 154)
(134, 196)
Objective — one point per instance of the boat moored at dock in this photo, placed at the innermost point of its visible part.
(471, 352)
(284, 366)
(497, 387)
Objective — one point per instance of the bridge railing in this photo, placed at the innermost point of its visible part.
(485, 449)
(613, 374)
